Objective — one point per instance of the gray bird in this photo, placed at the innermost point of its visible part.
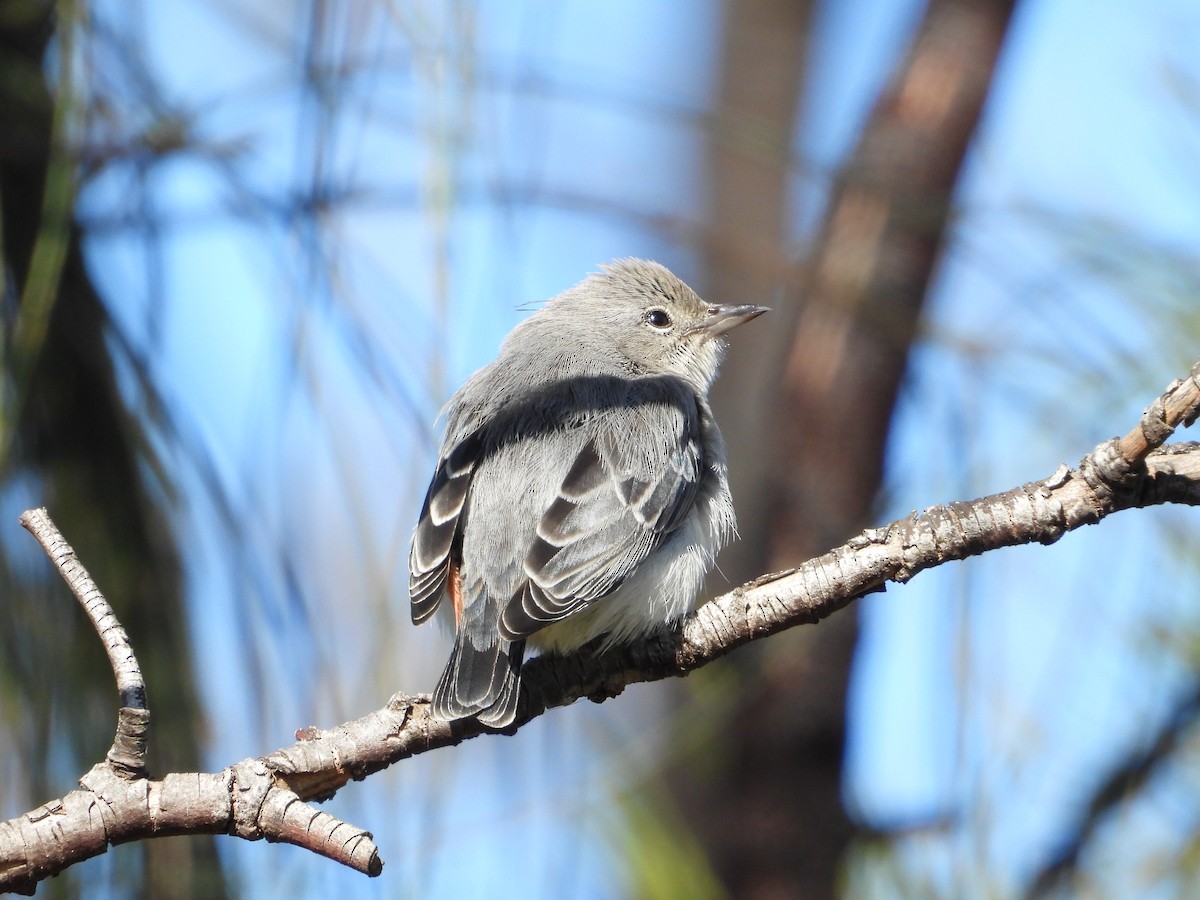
(581, 484)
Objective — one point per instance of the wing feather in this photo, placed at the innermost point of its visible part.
(439, 526)
(623, 494)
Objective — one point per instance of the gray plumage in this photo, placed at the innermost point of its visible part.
(581, 484)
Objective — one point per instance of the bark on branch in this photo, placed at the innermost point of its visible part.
(117, 802)
(267, 797)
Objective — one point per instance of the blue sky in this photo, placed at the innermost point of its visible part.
(494, 165)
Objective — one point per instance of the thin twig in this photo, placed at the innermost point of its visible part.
(128, 751)
(1177, 406)
(130, 684)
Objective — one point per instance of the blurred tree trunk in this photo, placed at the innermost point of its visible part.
(71, 443)
(807, 422)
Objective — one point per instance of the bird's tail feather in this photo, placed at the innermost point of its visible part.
(484, 682)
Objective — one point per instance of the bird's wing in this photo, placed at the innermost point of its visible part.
(429, 560)
(632, 483)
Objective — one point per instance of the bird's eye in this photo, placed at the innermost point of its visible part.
(658, 318)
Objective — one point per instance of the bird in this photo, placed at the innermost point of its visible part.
(581, 487)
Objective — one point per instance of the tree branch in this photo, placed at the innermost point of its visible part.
(116, 802)
(266, 797)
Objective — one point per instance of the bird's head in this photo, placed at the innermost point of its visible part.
(655, 321)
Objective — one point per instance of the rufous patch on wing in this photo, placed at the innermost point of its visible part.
(455, 585)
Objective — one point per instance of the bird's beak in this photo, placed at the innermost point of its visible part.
(721, 319)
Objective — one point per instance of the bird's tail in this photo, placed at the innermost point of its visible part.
(484, 682)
